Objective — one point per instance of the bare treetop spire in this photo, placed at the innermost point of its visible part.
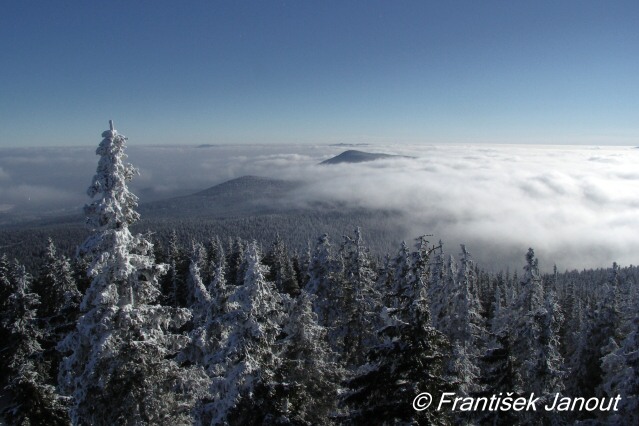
(111, 125)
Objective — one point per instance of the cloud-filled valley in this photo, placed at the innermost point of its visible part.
(577, 206)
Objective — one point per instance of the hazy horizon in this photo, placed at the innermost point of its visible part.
(576, 205)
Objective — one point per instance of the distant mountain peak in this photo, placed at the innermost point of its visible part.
(248, 183)
(354, 156)
(240, 197)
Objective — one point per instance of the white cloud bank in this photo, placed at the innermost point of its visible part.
(577, 206)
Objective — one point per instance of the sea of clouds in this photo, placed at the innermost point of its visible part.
(577, 206)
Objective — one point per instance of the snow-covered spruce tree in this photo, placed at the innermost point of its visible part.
(572, 342)
(536, 321)
(281, 270)
(609, 320)
(6, 289)
(202, 341)
(58, 292)
(498, 376)
(621, 375)
(197, 297)
(597, 327)
(437, 277)
(409, 359)
(581, 355)
(243, 374)
(359, 302)
(173, 282)
(551, 371)
(215, 254)
(571, 307)
(58, 309)
(32, 397)
(118, 368)
(219, 290)
(385, 279)
(398, 276)
(497, 363)
(497, 308)
(236, 268)
(441, 302)
(208, 334)
(484, 291)
(322, 284)
(460, 320)
(307, 380)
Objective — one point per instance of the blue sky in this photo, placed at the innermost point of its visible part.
(199, 72)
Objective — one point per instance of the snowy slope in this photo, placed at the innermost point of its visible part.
(246, 195)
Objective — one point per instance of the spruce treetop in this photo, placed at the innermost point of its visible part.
(116, 207)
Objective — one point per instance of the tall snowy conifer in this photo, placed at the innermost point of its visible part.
(359, 301)
(219, 290)
(322, 284)
(6, 289)
(461, 321)
(33, 399)
(58, 310)
(409, 359)
(535, 341)
(436, 284)
(244, 372)
(621, 375)
(498, 372)
(207, 335)
(600, 323)
(173, 282)
(118, 368)
(281, 270)
(307, 372)
(441, 302)
(236, 267)
(59, 295)
(399, 275)
(215, 254)
(55, 282)
(198, 298)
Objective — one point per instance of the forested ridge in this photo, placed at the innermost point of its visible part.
(227, 331)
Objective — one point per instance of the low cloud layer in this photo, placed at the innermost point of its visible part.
(577, 206)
